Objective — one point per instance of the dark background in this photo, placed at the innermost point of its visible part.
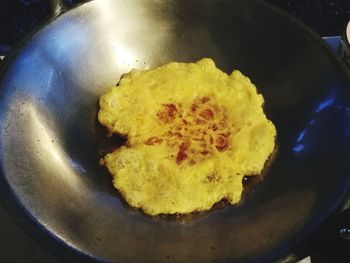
(20, 17)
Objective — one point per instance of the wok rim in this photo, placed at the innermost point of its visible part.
(15, 209)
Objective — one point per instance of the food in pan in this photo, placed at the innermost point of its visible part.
(193, 132)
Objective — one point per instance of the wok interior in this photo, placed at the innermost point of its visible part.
(50, 139)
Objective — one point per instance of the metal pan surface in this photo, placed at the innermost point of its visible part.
(50, 139)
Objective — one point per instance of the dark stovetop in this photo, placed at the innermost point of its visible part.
(19, 17)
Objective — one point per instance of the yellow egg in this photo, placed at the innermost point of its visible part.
(193, 133)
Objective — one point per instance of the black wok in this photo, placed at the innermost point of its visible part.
(50, 139)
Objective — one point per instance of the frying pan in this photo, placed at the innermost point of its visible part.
(50, 138)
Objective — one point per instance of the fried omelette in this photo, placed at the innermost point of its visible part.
(193, 132)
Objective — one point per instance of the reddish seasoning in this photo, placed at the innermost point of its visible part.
(181, 156)
(205, 125)
(184, 146)
(185, 122)
(211, 140)
(221, 142)
(204, 99)
(153, 140)
(171, 110)
(200, 121)
(207, 114)
(168, 114)
(162, 116)
(194, 107)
